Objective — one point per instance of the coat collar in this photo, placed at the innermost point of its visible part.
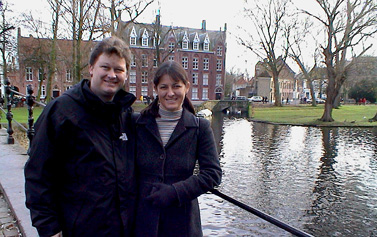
(187, 120)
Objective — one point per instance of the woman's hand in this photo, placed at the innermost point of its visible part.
(162, 195)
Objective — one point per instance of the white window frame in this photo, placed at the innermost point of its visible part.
(144, 60)
(206, 46)
(218, 79)
(133, 60)
(206, 64)
(206, 43)
(132, 76)
(133, 37)
(185, 41)
(194, 93)
(205, 94)
(195, 63)
(29, 74)
(68, 75)
(40, 73)
(144, 90)
(132, 90)
(185, 62)
(43, 91)
(185, 44)
(145, 39)
(205, 79)
(171, 46)
(195, 78)
(144, 77)
(171, 58)
(219, 50)
(195, 45)
(219, 64)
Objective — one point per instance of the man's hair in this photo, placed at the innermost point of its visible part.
(111, 45)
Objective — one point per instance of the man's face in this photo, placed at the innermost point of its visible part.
(108, 75)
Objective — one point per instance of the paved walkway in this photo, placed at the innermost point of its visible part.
(14, 215)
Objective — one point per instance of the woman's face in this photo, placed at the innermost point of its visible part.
(171, 93)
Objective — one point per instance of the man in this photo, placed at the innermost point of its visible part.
(79, 176)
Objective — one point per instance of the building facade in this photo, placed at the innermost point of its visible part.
(264, 86)
(33, 62)
(201, 52)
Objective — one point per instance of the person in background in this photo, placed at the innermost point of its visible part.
(170, 140)
(79, 175)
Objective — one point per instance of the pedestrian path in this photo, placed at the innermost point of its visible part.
(12, 203)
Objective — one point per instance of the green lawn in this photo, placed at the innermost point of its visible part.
(21, 114)
(346, 115)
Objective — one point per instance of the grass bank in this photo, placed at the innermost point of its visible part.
(21, 114)
(346, 115)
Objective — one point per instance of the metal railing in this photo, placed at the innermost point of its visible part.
(30, 101)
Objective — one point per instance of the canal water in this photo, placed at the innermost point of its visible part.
(320, 180)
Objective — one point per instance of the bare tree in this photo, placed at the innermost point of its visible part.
(132, 9)
(297, 43)
(272, 27)
(56, 6)
(347, 23)
(38, 53)
(82, 17)
(6, 38)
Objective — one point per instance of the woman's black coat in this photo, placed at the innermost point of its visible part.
(174, 164)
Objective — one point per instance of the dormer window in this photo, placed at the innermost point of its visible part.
(145, 39)
(185, 41)
(195, 44)
(133, 36)
(206, 43)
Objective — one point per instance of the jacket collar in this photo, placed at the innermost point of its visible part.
(82, 94)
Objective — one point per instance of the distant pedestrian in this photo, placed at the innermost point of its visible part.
(287, 100)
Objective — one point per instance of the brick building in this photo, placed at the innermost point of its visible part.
(200, 51)
(33, 56)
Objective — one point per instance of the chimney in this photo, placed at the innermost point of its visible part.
(158, 18)
(204, 25)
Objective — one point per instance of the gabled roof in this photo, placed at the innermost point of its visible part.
(213, 37)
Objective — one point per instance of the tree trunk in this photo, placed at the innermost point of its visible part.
(310, 81)
(374, 119)
(276, 89)
(52, 63)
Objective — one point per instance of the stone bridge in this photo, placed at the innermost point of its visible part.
(231, 106)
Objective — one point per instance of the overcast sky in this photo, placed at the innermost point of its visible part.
(190, 14)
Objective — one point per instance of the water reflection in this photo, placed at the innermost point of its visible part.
(321, 180)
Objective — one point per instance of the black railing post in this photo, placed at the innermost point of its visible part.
(9, 112)
(30, 103)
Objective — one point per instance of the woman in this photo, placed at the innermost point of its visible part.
(170, 139)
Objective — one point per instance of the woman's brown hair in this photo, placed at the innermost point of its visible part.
(177, 73)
